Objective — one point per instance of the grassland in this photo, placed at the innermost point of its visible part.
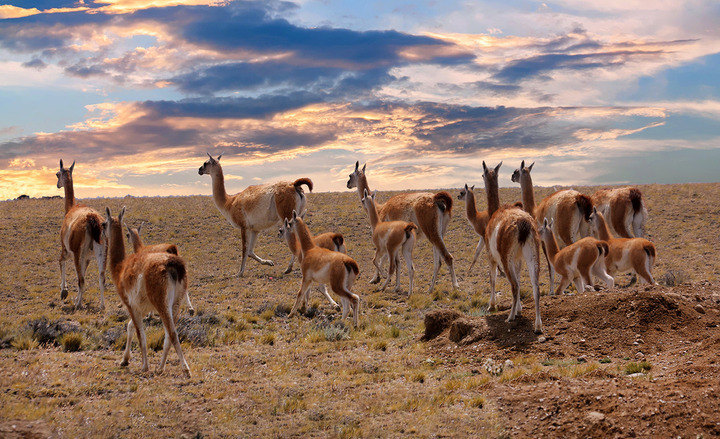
(258, 373)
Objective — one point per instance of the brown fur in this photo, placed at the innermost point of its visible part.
(511, 236)
(143, 281)
(241, 209)
(325, 266)
(329, 240)
(639, 252)
(83, 232)
(576, 262)
(390, 239)
(431, 212)
(569, 204)
(617, 204)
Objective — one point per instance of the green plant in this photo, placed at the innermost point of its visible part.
(640, 367)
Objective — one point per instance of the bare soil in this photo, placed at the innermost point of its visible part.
(638, 361)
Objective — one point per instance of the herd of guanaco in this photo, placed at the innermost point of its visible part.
(582, 238)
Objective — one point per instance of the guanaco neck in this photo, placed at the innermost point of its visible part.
(136, 241)
(470, 208)
(372, 214)
(528, 195)
(117, 251)
(218, 183)
(603, 231)
(69, 195)
(303, 235)
(551, 245)
(362, 185)
(493, 196)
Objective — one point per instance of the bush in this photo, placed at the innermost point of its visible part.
(268, 339)
(72, 341)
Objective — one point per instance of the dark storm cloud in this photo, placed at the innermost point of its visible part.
(539, 66)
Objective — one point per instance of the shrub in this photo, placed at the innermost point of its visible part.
(394, 332)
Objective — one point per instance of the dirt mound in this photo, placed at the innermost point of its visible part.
(437, 321)
(629, 322)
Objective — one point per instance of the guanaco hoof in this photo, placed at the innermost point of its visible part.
(63, 294)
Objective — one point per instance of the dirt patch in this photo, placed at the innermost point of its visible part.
(26, 430)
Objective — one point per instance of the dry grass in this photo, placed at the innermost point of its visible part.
(254, 369)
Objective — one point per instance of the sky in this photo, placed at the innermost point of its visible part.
(138, 91)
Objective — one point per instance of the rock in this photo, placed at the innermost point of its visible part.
(582, 359)
(508, 364)
(595, 417)
(699, 308)
(635, 375)
(492, 367)
(436, 322)
(639, 355)
(541, 339)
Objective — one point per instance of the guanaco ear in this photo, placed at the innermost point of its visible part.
(72, 166)
(365, 193)
(211, 157)
(61, 164)
(140, 226)
(364, 166)
(466, 186)
(122, 214)
(219, 157)
(472, 188)
(373, 194)
(530, 167)
(294, 215)
(497, 168)
(484, 166)
(545, 223)
(357, 166)
(552, 221)
(522, 164)
(302, 215)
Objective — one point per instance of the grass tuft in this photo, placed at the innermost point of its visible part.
(25, 342)
(641, 367)
(268, 338)
(72, 341)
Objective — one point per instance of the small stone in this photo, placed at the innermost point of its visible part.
(508, 364)
(635, 375)
(699, 308)
(595, 417)
(639, 355)
(541, 339)
(582, 359)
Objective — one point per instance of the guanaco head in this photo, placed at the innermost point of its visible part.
(284, 232)
(464, 192)
(521, 172)
(210, 165)
(594, 221)
(113, 227)
(64, 175)
(133, 235)
(355, 176)
(545, 230)
(367, 199)
(490, 176)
